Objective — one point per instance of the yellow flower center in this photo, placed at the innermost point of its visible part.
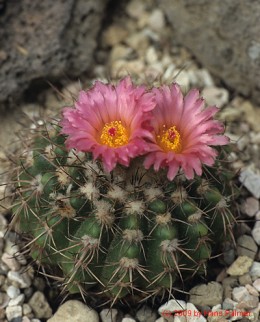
(114, 134)
(170, 139)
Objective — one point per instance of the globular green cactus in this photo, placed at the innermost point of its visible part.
(95, 211)
(128, 231)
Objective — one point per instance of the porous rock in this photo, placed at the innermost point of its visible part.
(217, 26)
(46, 40)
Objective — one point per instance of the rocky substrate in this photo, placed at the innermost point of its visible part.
(139, 42)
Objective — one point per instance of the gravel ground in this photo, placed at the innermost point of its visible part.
(140, 43)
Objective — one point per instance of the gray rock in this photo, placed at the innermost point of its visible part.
(40, 306)
(74, 311)
(206, 294)
(246, 246)
(45, 40)
(217, 25)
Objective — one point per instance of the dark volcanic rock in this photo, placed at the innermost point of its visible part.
(46, 40)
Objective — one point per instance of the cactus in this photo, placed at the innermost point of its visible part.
(126, 231)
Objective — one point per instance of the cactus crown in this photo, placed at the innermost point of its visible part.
(128, 230)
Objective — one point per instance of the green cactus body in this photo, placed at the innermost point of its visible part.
(130, 231)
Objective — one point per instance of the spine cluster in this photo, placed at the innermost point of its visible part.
(130, 231)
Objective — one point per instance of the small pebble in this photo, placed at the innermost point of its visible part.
(11, 262)
(12, 291)
(256, 232)
(17, 300)
(240, 266)
(22, 279)
(256, 284)
(171, 306)
(40, 306)
(207, 294)
(157, 20)
(25, 319)
(244, 298)
(251, 181)
(255, 270)
(250, 206)
(74, 310)
(109, 315)
(135, 9)
(146, 314)
(246, 246)
(4, 300)
(252, 290)
(13, 312)
(128, 320)
(26, 309)
(215, 96)
(245, 279)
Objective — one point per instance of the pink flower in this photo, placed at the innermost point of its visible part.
(183, 131)
(109, 121)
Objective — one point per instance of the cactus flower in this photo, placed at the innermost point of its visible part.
(183, 132)
(109, 121)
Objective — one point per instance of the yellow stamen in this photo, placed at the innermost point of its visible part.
(170, 139)
(114, 134)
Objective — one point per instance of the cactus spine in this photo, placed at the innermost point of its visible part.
(130, 231)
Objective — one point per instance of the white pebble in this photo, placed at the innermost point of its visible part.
(17, 300)
(166, 310)
(23, 279)
(151, 56)
(250, 206)
(26, 309)
(256, 284)
(109, 315)
(256, 232)
(255, 270)
(13, 312)
(13, 291)
(26, 319)
(11, 262)
(157, 20)
(251, 181)
(128, 320)
(183, 79)
(216, 96)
